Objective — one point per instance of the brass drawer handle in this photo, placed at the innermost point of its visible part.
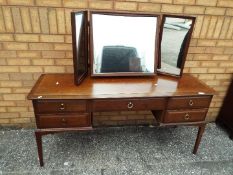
(130, 105)
(63, 122)
(62, 107)
(186, 117)
(190, 103)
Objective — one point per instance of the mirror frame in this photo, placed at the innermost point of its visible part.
(114, 74)
(83, 40)
(186, 47)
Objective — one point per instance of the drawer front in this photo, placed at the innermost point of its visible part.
(129, 104)
(185, 116)
(64, 121)
(188, 102)
(60, 106)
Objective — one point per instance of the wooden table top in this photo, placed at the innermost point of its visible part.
(61, 86)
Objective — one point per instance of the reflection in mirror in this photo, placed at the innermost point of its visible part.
(79, 34)
(79, 44)
(78, 23)
(123, 44)
(176, 35)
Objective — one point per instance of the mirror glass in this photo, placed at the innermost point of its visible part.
(123, 44)
(79, 32)
(78, 24)
(81, 67)
(176, 34)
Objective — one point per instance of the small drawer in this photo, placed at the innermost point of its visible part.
(185, 116)
(50, 106)
(64, 121)
(129, 104)
(188, 102)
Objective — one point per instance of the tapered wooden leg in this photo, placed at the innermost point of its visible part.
(39, 147)
(198, 139)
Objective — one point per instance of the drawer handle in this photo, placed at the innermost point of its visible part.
(62, 107)
(63, 121)
(186, 117)
(190, 102)
(130, 105)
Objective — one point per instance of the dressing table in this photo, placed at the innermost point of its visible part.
(61, 106)
(128, 67)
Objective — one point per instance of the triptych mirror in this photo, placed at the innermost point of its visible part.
(129, 44)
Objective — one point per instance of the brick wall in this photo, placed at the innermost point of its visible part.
(35, 38)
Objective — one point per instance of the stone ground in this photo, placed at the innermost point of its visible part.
(127, 150)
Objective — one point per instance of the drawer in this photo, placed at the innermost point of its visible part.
(188, 102)
(185, 116)
(129, 104)
(64, 121)
(50, 106)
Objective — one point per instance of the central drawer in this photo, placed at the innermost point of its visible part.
(129, 104)
(60, 106)
(64, 121)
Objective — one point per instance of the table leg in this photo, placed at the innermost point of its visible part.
(198, 139)
(39, 146)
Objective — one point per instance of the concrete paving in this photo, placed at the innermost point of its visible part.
(110, 151)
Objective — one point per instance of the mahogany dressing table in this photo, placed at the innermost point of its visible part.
(60, 105)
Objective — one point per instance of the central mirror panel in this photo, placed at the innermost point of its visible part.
(123, 44)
